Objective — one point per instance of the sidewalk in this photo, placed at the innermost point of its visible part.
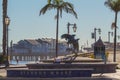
(114, 76)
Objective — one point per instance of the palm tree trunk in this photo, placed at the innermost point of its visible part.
(57, 32)
(4, 26)
(115, 34)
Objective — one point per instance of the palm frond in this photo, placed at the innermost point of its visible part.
(49, 1)
(59, 4)
(113, 25)
(68, 7)
(46, 8)
(71, 11)
(113, 5)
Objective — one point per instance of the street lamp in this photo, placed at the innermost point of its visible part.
(94, 33)
(68, 29)
(7, 22)
(109, 35)
(74, 27)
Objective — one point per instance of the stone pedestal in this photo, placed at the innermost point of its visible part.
(49, 73)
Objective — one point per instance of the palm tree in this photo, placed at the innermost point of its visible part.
(114, 5)
(60, 6)
(4, 6)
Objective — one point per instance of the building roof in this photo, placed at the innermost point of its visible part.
(99, 43)
(32, 41)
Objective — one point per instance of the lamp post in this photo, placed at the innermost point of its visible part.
(74, 27)
(109, 35)
(68, 29)
(7, 22)
(99, 31)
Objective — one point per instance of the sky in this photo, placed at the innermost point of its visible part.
(27, 24)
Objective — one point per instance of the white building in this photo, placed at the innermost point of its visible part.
(39, 46)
